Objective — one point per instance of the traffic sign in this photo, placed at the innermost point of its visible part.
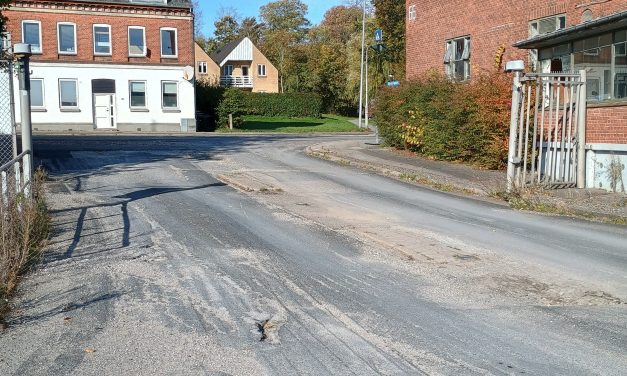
(378, 36)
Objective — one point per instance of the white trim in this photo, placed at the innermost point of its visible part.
(411, 13)
(59, 24)
(77, 98)
(177, 95)
(43, 94)
(130, 105)
(110, 40)
(242, 52)
(41, 47)
(128, 37)
(265, 70)
(62, 64)
(176, 42)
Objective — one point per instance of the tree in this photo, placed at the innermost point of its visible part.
(249, 27)
(390, 17)
(285, 28)
(198, 18)
(3, 5)
(226, 30)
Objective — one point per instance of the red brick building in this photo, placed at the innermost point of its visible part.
(460, 38)
(108, 64)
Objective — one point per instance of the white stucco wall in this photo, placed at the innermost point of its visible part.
(52, 118)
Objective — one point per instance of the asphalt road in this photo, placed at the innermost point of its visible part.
(158, 265)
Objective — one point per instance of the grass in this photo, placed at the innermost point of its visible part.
(325, 124)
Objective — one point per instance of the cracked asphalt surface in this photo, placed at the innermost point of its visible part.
(162, 262)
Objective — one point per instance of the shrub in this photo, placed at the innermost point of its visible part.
(208, 98)
(446, 120)
(24, 227)
(239, 103)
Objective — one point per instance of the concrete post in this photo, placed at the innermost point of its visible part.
(582, 105)
(23, 53)
(513, 133)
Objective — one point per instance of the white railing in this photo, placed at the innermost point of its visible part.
(236, 81)
(15, 178)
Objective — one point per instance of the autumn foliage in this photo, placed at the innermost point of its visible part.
(445, 120)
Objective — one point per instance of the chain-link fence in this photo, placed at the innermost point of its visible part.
(8, 147)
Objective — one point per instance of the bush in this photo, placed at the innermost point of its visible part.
(239, 103)
(446, 120)
(208, 98)
(24, 227)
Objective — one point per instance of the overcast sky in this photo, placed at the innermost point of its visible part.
(247, 8)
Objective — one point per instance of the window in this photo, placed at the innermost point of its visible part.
(547, 25)
(412, 13)
(37, 93)
(228, 70)
(31, 34)
(168, 43)
(137, 94)
(68, 93)
(169, 95)
(67, 38)
(457, 59)
(202, 67)
(102, 40)
(261, 70)
(136, 41)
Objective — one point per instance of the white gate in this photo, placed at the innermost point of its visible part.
(547, 139)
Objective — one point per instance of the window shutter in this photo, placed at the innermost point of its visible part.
(448, 54)
(466, 53)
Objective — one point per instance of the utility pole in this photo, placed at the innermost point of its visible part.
(361, 75)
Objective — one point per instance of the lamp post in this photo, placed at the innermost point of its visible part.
(361, 75)
(23, 53)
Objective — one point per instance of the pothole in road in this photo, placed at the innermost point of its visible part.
(269, 330)
(466, 257)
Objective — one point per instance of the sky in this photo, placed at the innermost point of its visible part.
(250, 8)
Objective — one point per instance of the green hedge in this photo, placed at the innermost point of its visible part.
(446, 120)
(239, 103)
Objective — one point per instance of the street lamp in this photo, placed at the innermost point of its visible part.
(361, 75)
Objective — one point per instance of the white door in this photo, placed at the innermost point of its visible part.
(104, 111)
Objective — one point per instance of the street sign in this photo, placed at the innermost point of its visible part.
(378, 36)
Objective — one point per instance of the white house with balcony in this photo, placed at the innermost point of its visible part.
(241, 64)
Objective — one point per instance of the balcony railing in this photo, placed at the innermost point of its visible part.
(237, 81)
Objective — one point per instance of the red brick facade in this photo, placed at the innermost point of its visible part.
(118, 16)
(492, 24)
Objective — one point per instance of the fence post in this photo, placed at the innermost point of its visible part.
(23, 52)
(517, 68)
(582, 106)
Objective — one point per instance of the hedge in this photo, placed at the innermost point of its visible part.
(444, 120)
(217, 103)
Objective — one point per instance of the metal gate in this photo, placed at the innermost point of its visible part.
(547, 138)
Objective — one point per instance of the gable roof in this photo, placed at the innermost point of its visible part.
(239, 49)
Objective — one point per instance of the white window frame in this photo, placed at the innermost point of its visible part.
(411, 13)
(537, 21)
(130, 91)
(128, 36)
(77, 95)
(163, 92)
(43, 94)
(110, 40)
(202, 67)
(449, 58)
(260, 68)
(228, 69)
(176, 42)
(59, 24)
(41, 47)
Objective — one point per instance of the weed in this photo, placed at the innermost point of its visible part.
(24, 228)
(408, 177)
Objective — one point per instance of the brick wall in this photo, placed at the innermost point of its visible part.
(495, 23)
(490, 24)
(119, 19)
(607, 125)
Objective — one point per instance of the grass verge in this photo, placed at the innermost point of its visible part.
(24, 229)
(324, 124)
